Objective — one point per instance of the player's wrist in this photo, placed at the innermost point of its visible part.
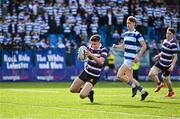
(172, 66)
(139, 55)
(114, 46)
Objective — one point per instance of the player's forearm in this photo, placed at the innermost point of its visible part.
(119, 46)
(174, 60)
(143, 49)
(98, 60)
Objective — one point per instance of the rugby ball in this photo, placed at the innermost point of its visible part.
(81, 53)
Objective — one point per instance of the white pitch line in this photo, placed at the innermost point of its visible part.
(94, 111)
(33, 91)
(125, 95)
(98, 95)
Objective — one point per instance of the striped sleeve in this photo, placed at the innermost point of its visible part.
(139, 37)
(104, 53)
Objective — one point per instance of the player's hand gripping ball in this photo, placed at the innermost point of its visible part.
(81, 53)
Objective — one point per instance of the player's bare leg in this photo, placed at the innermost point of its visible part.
(153, 76)
(169, 85)
(76, 85)
(122, 73)
(125, 74)
(87, 91)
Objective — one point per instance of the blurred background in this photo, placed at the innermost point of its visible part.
(39, 39)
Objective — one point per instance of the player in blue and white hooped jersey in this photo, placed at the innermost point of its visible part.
(96, 54)
(166, 60)
(132, 39)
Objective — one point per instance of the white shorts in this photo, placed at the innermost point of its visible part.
(129, 63)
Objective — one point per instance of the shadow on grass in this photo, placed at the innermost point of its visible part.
(155, 101)
(122, 105)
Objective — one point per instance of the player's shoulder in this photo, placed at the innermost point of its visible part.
(132, 32)
(137, 32)
(174, 41)
(102, 47)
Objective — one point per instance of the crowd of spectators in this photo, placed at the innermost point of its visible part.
(69, 23)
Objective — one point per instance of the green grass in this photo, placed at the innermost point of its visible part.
(112, 101)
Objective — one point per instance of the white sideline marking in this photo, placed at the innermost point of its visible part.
(129, 95)
(94, 111)
(98, 95)
(34, 91)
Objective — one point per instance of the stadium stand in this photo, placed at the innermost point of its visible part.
(76, 20)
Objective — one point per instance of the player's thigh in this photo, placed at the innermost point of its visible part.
(122, 70)
(76, 85)
(154, 71)
(129, 73)
(86, 89)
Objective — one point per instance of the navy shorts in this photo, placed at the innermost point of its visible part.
(165, 70)
(84, 76)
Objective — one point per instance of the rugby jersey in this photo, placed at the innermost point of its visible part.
(131, 44)
(92, 67)
(168, 49)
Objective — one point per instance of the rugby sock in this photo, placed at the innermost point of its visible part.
(80, 90)
(158, 83)
(141, 89)
(170, 90)
(131, 83)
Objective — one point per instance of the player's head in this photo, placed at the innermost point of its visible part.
(131, 22)
(95, 41)
(170, 33)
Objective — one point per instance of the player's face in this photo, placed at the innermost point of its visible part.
(169, 35)
(130, 25)
(95, 44)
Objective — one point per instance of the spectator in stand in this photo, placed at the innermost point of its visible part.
(27, 40)
(52, 25)
(167, 21)
(43, 44)
(110, 64)
(120, 18)
(139, 17)
(2, 38)
(70, 51)
(60, 43)
(66, 29)
(17, 43)
(13, 28)
(115, 37)
(158, 23)
(144, 23)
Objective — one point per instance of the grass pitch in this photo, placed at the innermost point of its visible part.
(112, 101)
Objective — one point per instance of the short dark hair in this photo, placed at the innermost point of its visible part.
(172, 30)
(95, 37)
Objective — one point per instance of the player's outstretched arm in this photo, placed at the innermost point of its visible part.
(120, 46)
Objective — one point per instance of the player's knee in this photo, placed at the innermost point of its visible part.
(120, 77)
(72, 90)
(151, 74)
(82, 96)
(166, 78)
